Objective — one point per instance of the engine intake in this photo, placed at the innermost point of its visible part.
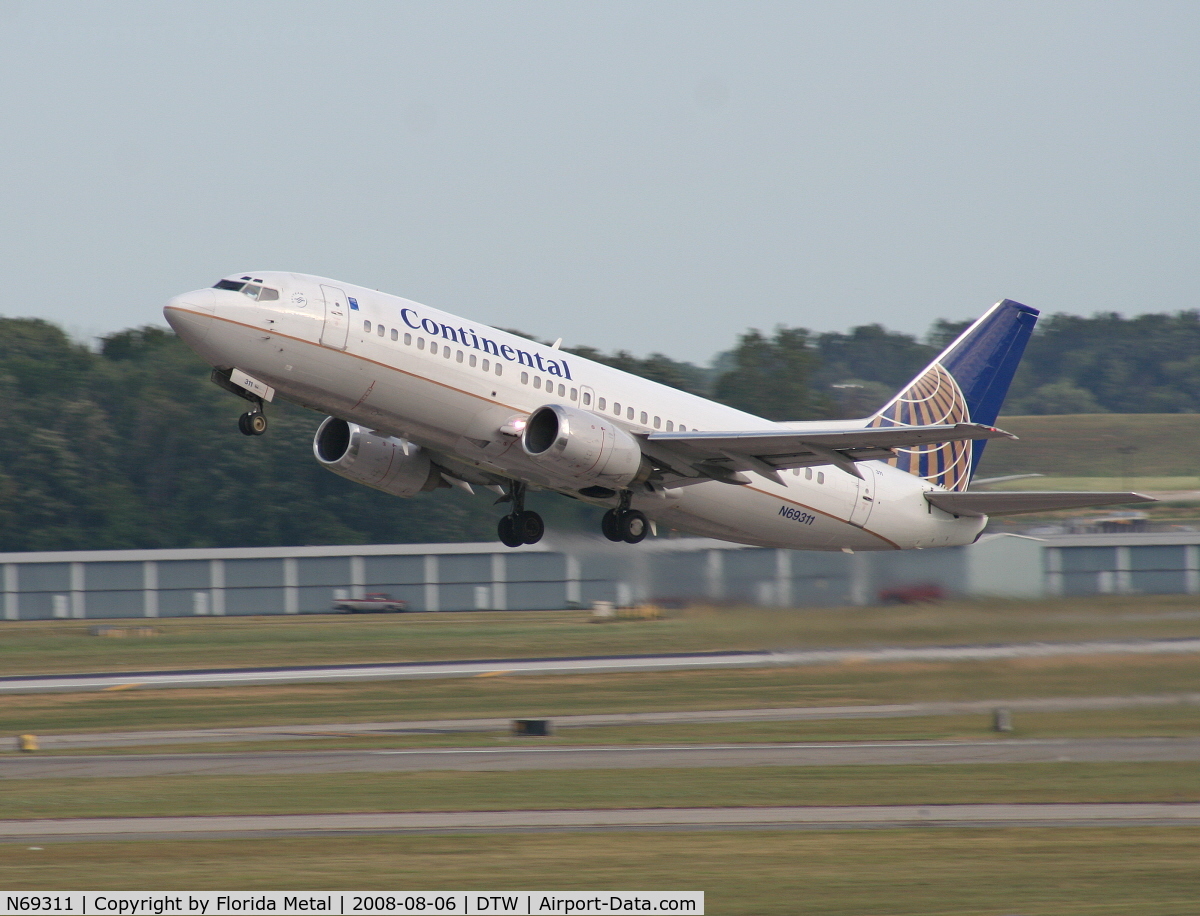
(583, 448)
(391, 465)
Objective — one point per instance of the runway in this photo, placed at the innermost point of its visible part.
(774, 818)
(141, 680)
(601, 720)
(1130, 750)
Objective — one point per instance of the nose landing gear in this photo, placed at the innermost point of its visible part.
(253, 422)
(519, 526)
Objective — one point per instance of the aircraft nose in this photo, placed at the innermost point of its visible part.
(191, 315)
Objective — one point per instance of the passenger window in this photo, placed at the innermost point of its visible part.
(644, 418)
(433, 348)
(670, 426)
(458, 357)
(499, 369)
(395, 334)
(524, 378)
(574, 394)
(682, 428)
(537, 381)
(808, 473)
(472, 361)
(367, 327)
(408, 340)
(268, 294)
(657, 422)
(486, 365)
(587, 399)
(420, 343)
(629, 413)
(820, 476)
(381, 330)
(616, 408)
(562, 391)
(599, 404)
(446, 352)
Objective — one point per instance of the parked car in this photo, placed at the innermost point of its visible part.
(911, 594)
(371, 603)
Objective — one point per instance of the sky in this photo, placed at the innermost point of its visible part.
(641, 176)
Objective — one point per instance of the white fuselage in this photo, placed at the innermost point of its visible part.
(450, 385)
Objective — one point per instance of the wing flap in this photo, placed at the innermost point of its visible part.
(764, 442)
(719, 455)
(1015, 503)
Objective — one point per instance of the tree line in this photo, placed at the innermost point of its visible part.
(130, 445)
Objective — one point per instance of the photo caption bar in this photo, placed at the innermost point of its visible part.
(349, 903)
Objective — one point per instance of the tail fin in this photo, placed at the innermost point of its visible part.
(965, 384)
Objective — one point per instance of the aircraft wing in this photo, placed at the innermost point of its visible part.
(1014, 503)
(722, 455)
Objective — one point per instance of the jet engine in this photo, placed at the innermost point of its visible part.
(391, 465)
(583, 448)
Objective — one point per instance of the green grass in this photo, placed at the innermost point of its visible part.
(1087, 445)
(521, 697)
(147, 796)
(928, 871)
(54, 647)
(925, 872)
(1159, 722)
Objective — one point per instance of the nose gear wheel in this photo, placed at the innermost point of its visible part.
(252, 423)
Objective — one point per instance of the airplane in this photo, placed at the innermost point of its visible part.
(419, 399)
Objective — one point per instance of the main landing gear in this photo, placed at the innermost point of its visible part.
(519, 526)
(625, 524)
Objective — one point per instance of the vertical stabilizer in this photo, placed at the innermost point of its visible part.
(965, 384)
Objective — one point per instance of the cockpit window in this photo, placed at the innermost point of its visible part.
(261, 293)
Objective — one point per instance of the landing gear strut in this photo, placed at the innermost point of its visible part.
(519, 526)
(625, 524)
(253, 422)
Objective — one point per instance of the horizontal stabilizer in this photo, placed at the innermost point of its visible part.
(1013, 503)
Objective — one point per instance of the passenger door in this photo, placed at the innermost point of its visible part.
(337, 318)
(864, 499)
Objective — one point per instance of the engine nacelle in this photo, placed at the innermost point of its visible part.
(391, 465)
(583, 448)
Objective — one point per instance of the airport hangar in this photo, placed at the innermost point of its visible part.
(570, 573)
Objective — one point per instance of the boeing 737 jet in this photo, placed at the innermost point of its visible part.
(419, 399)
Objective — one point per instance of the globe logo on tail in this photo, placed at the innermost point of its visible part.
(934, 398)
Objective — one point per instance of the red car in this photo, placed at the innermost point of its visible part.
(911, 594)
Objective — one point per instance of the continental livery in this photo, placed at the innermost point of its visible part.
(417, 399)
